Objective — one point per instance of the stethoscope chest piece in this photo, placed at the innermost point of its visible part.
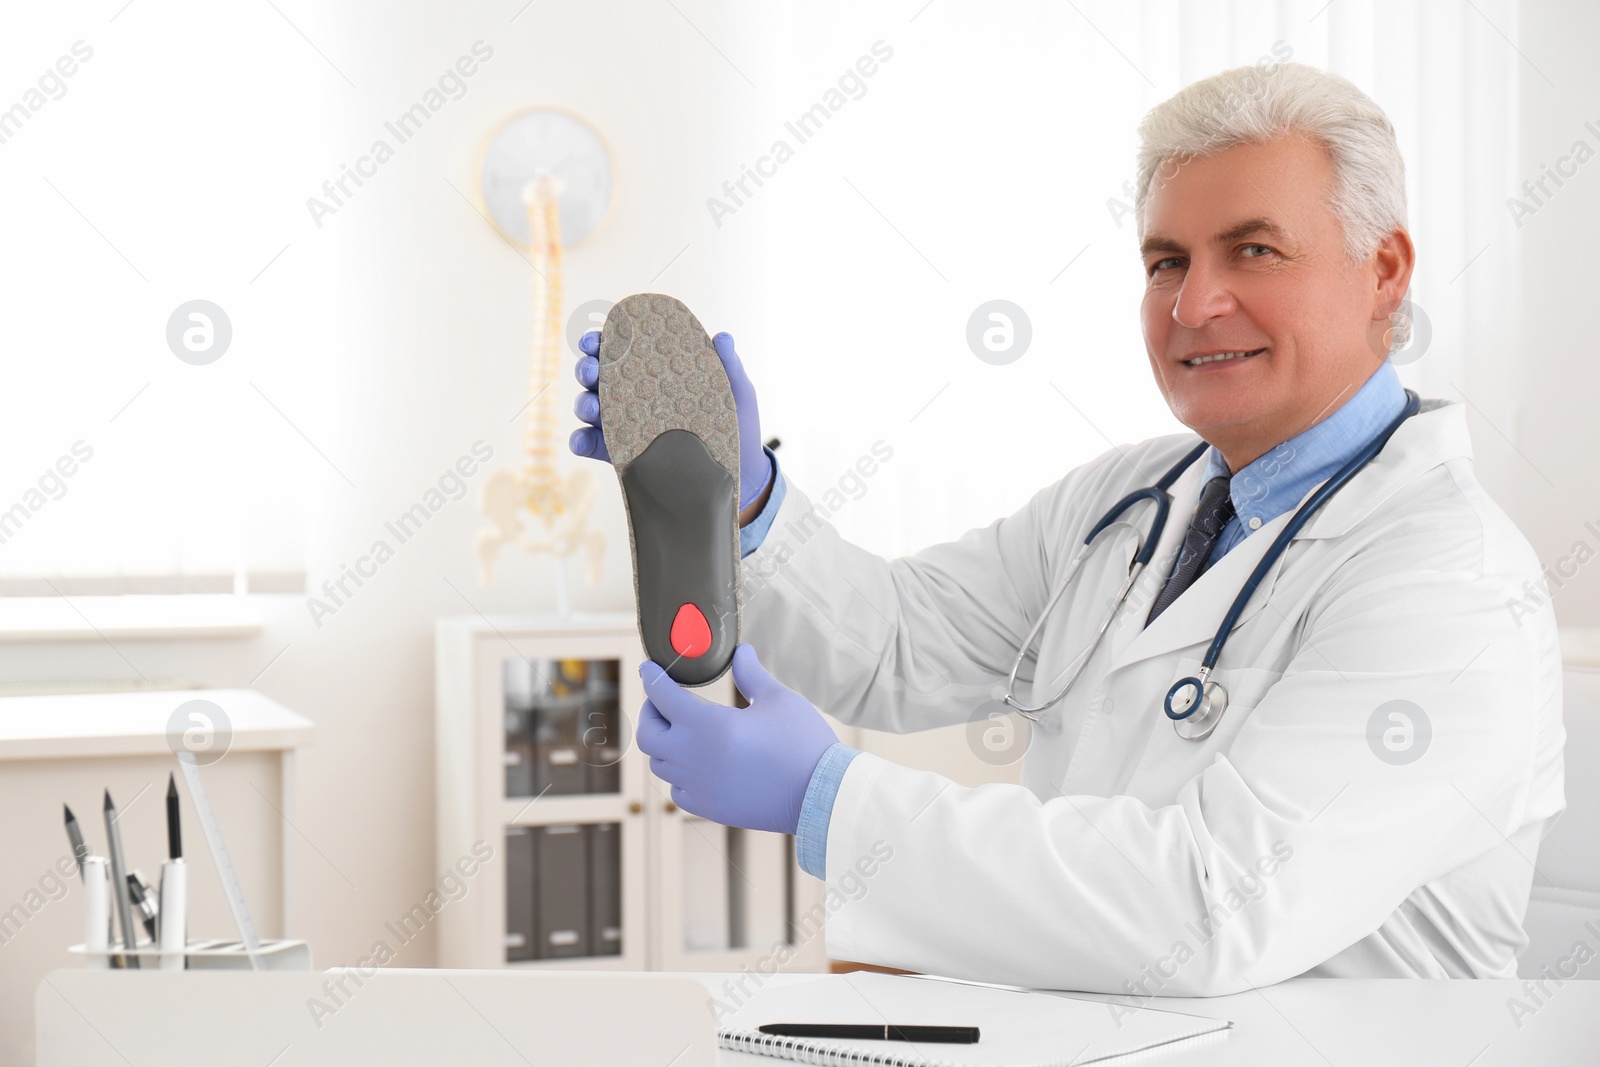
(1195, 707)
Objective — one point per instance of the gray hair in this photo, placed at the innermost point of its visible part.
(1249, 105)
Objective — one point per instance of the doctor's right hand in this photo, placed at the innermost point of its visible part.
(755, 471)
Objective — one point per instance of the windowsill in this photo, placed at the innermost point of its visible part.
(133, 617)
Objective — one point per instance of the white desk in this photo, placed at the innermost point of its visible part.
(1360, 1024)
(511, 1018)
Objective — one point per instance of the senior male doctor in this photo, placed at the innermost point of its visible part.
(1370, 804)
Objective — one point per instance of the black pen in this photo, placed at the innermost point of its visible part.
(174, 835)
(75, 838)
(949, 1035)
(172, 930)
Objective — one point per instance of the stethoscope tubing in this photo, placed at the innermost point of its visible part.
(1163, 501)
(1159, 494)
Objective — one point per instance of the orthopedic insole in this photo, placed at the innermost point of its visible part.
(673, 433)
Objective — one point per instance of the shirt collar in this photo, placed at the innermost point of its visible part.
(1281, 477)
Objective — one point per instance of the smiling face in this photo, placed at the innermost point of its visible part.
(1242, 253)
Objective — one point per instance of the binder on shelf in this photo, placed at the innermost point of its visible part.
(562, 908)
(605, 888)
(601, 743)
(603, 734)
(516, 691)
(558, 768)
(520, 885)
(518, 752)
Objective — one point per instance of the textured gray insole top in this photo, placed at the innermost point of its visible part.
(659, 372)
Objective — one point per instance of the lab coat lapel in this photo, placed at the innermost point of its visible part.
(1197, 613)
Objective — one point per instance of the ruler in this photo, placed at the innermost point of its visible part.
(219, 856)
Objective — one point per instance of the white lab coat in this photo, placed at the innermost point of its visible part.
(1130, 860)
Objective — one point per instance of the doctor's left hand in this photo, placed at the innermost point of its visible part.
(744, 767)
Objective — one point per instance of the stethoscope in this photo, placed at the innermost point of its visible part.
(1195, 704)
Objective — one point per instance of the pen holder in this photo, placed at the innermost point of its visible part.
(208, 955)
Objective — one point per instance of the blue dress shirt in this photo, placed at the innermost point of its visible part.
(750, 537)
(1265, 488)
(1278, 480)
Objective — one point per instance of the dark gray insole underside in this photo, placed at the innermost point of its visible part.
(680, 501)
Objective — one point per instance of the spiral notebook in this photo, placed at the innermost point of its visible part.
(1016, 1028)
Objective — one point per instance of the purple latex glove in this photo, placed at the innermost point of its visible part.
(755, 470)
(744, 767)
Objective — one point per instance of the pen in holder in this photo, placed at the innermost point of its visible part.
(97, 911)
(146, 910)
(173, 926)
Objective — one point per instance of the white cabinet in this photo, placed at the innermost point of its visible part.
(591, 863)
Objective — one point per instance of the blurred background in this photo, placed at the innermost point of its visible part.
(373, 336)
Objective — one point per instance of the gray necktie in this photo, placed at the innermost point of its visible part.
(1210, 516)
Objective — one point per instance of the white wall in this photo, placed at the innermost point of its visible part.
(1546, 475)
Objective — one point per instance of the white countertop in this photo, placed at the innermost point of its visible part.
(135, 724)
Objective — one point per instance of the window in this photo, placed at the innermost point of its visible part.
(152, 158)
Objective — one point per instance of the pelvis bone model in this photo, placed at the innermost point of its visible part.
(559, 505)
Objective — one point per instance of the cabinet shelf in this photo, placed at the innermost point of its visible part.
(580, 807)
(533, 713)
